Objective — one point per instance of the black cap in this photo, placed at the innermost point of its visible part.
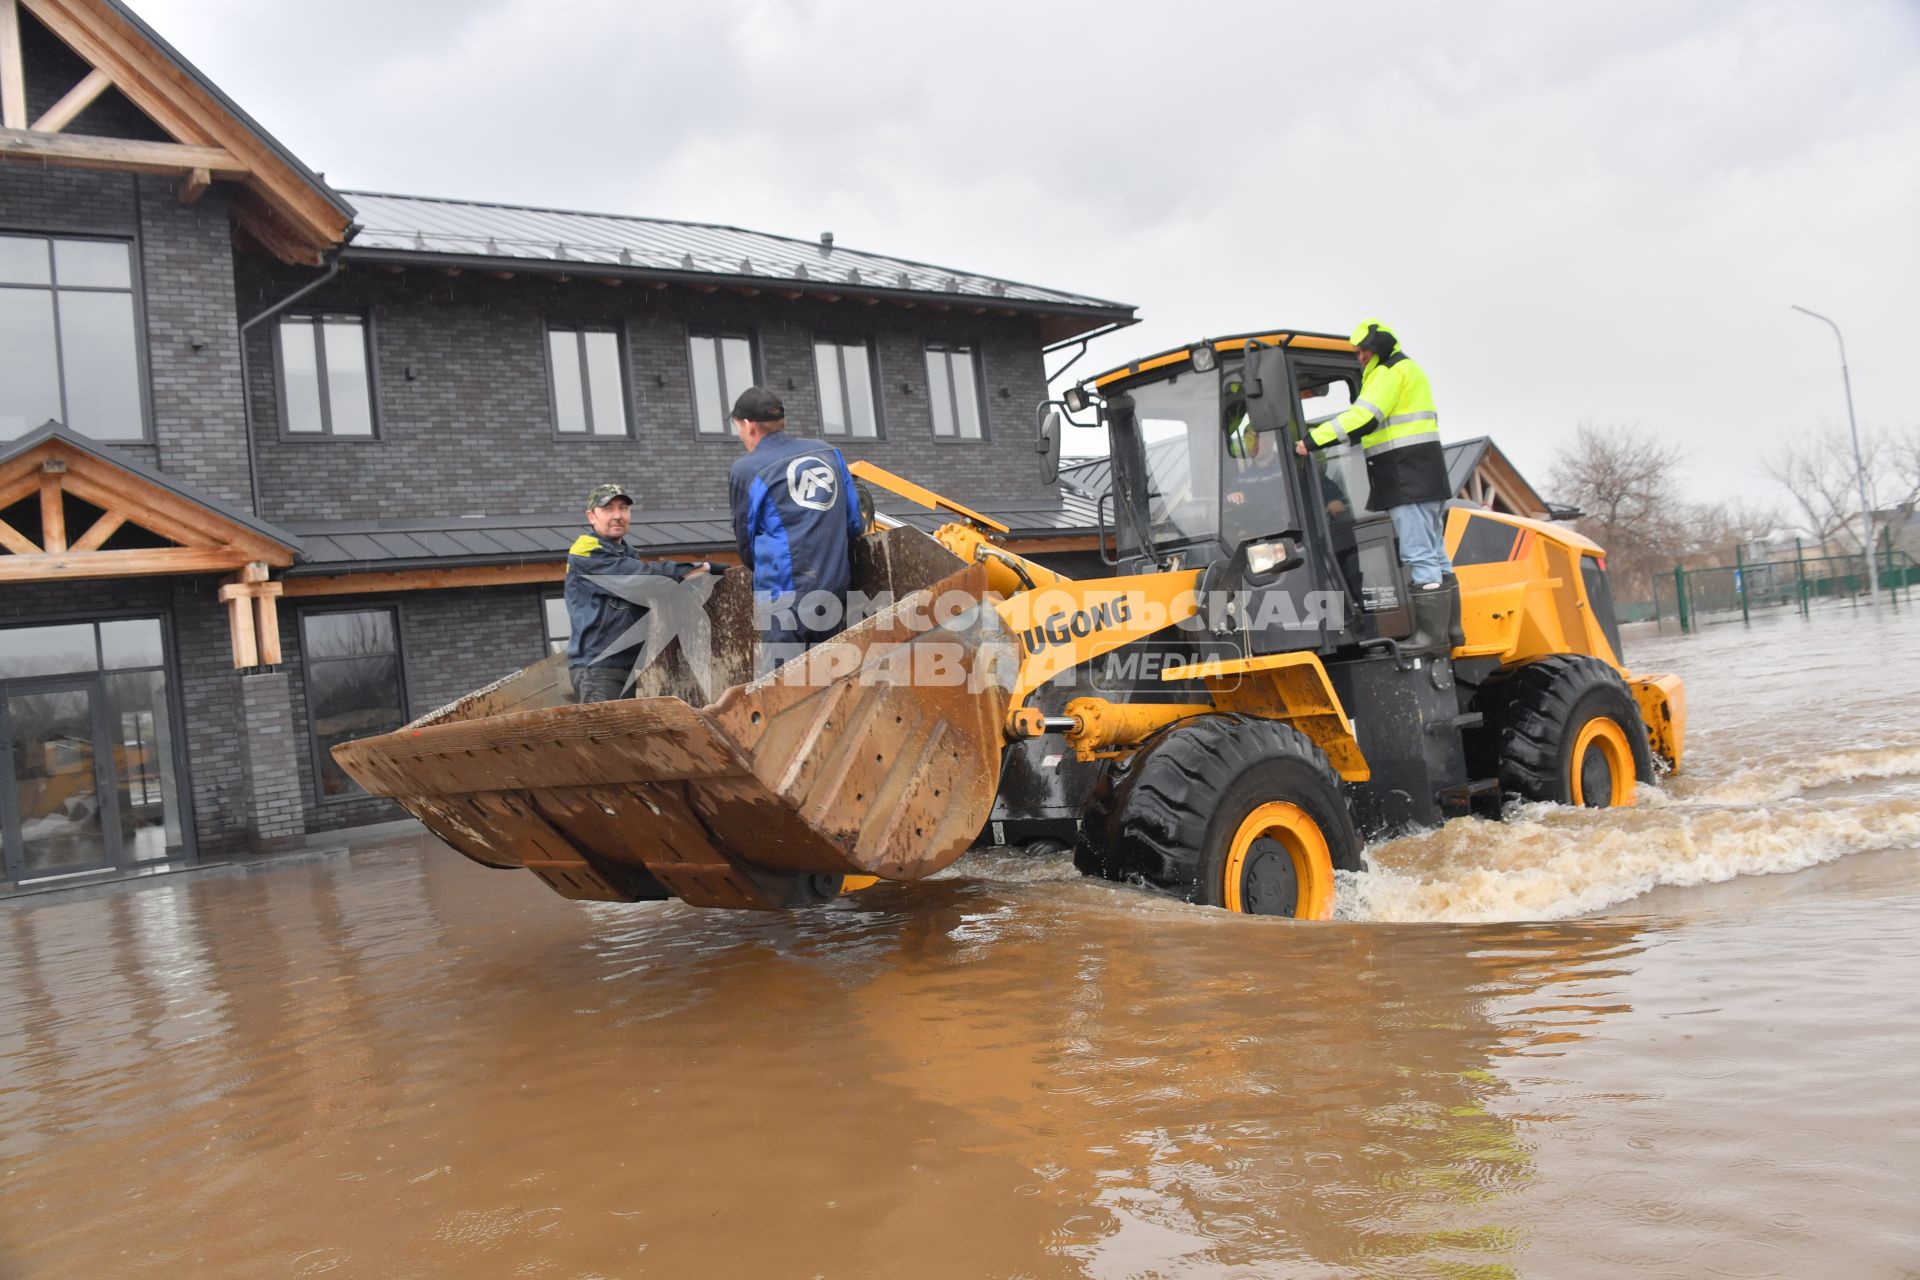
(757, 404)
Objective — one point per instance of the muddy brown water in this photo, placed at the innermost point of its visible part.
(1680, 1041)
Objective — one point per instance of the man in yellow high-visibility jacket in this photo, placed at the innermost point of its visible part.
(1395, 422)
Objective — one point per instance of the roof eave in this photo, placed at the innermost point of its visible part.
(1088, 315)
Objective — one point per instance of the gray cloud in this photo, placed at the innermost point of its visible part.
(1571, 211)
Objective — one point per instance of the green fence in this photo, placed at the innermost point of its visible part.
(1691, 598)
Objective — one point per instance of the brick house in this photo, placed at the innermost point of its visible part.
(282, 465)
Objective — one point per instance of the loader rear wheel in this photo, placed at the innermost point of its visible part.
(1234, 811)
(1570, 732)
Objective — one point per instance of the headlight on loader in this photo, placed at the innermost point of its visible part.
(1264, 559)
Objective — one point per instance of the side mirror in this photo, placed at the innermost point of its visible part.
(1048, 445)
(1267, 366)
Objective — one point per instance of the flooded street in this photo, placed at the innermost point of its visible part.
(1678, 1041)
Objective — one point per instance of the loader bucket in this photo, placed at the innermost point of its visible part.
(874, 754)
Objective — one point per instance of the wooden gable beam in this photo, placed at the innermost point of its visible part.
(186, 112)
(100, 46)
(71, 151)
(53, 516)
(105, 527)
(13, 75)
(184, 522)
(48, 566)
(15, 541)
(122, 497)
(77, 99)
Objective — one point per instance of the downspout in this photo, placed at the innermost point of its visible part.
(246, 378)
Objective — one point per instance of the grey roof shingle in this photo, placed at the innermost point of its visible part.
(400, 224)
(337, 546)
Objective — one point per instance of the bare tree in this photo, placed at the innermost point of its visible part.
(1903, 470)
(1714, 530)
(1818, 474)
(1626, 481)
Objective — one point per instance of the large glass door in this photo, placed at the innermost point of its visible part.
(90, 764)
(56, 780)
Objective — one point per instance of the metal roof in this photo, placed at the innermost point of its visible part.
(472, 229)
(336, 546)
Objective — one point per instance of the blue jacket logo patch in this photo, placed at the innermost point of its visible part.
(811, 483)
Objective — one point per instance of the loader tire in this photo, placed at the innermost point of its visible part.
(1566, 729)
(1232, 811)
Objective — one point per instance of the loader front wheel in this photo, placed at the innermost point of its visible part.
(1234, 811)
(1570, 732)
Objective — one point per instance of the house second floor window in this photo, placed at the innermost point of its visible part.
(354, 685)
(326, 379)
(845, 373)
(953, 392)
(589, 383)
(69, 338)
(722, 369)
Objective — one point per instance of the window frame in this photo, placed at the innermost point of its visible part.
(977, 364)
(580, 329)
(136, 288)
(315, 753)
(326, 434)
(695, 333)
(839, 341)
(546, 627)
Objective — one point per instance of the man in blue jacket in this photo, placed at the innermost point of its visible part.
(795, 517)
(606, 599)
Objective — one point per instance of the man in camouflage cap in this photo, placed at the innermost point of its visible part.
(608, 627)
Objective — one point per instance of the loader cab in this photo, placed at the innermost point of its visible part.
(1203, 462)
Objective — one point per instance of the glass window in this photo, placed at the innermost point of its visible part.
(723, 367)
(23, 260)
(352, 663)
(29, 361)
(845, 374)
(589, 381)
(131, 642)
(326, 379)
(92, 264)
(47, 651)
(556, 622)
(953, 392)
(102, 362)
(69, 340)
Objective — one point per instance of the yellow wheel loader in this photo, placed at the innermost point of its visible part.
(1243, 693)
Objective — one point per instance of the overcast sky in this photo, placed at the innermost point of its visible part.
(1568, 211)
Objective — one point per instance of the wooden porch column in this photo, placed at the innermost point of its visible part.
(253, 616)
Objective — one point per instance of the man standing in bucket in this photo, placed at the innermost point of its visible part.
(604, 601)
(795, 517)
(1398, 428)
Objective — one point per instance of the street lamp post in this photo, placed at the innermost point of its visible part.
(1859, 467)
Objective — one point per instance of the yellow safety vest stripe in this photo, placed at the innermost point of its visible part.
(1394, 408)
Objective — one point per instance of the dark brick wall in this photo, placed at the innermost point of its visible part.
(451, 643)
(183, 258)
(471, 431)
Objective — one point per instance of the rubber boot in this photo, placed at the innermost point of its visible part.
(1455, 632)
(1430, 610)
